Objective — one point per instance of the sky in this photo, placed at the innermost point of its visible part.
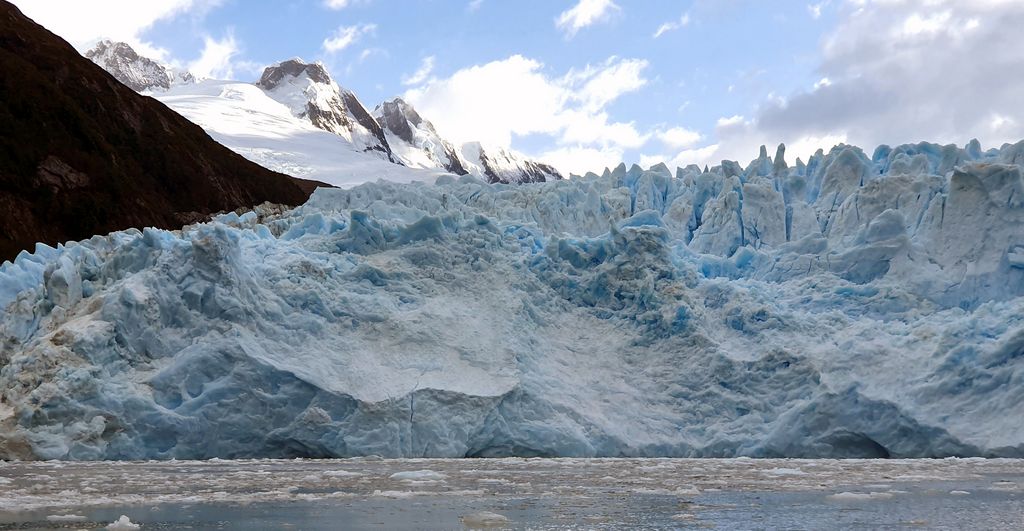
(586, 84)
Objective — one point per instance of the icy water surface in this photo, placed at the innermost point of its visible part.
(530, 493)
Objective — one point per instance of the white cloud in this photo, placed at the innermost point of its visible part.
(816, 9)
(422, 73)
(579, 159)
(473, 5)
(338, 5)
(735, 142)
(805, 146)
(699, 156)
(1000, 123)
(346, 36)
(497, 101)
(83, 23)
(490, 102)
(739, 139)
(727, 121)
(911, 70)
(672, 25)
(916, 24)
(892, 72)
(215, 61)
(583, 14)
(600, 85)
(679, 137)
(586, 128)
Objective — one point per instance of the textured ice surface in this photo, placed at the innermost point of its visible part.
(850, 306)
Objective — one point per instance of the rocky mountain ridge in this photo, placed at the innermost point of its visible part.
(139, 73)
(310, 92)
(394, 131)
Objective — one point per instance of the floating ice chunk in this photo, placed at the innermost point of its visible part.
(959, 493)
(1004, 485)
(399, 493)
(67, 518)
(342, 474)
(860, 496)
(782, 471)
(680, 491)
(413, 493)
(122, 524)
(484, 519)
(419, 475)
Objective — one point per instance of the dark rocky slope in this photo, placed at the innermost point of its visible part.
(82, 154)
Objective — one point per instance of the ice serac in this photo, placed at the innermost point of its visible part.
(310, 92)
(414, 139)
(499, 165)
(138, 73)
(846, 307)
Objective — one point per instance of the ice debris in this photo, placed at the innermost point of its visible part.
(122, 524)
(484, 519)
(66, 518)
(418, 475)
(849, 306)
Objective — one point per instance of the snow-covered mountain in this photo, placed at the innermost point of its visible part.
(246, 119)
(310, 92)
(499, 165)
(414, 139)
(851, 306)
(395, 132)
(419, 145)
(139, 73)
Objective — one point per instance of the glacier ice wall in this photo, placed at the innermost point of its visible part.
(851, 306)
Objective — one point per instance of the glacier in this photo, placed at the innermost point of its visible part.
(849, 306)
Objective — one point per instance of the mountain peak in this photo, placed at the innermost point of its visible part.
(137, 72)
(308, 90)
(415, 140)
(501, 165)
(400, 118)
(292, 68)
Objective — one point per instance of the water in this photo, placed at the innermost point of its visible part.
(530, 493)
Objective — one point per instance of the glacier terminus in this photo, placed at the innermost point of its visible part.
(856, 305)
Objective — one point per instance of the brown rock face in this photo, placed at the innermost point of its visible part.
(82, 154)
